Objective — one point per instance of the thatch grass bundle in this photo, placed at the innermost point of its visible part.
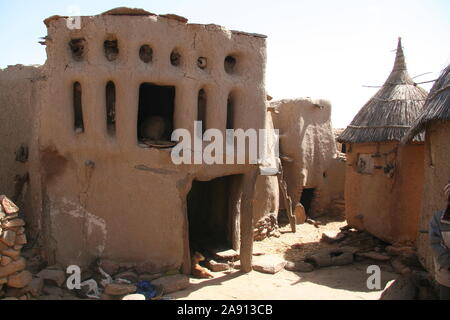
(436, 108)
(388, 115)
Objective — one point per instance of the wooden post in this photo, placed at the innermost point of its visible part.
(247, 220)
(287, 200)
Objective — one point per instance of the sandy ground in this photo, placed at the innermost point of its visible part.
(333, 283)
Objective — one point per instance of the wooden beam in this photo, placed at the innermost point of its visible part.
(246, 252)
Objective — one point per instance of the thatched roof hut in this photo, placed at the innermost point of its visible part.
(436, 108)
(388, 115)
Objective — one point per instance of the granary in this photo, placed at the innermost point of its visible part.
(435, 122)
(96, 152)
(313, 173)
(384, 179)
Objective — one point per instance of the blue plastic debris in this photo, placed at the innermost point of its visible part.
(147, 289)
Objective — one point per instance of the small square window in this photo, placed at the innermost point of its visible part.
(365, 164)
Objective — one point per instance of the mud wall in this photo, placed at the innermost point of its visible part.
(267, 190)
(18, 95)
(436, 176)
(306, 137)
(105, 195)
(386, 201)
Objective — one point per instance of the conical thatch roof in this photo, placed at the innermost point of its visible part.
(437, 106)
(388, 115)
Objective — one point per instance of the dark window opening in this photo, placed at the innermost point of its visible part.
(146, 53)
(202, 63)
(156, 110)
(175, 58)
(230, 111)
(307, 199)
(344, 148)
(77, 48)
(209, 215)
(201, 109)
(111, 107)
(77, 108)
(230, 64)
(111, 49)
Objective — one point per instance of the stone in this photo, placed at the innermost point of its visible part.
(298, 245)
(127, 275)
(331, 257)
(150, 277)
(5, 260)
(399, 289)
(399, 267)
(118, 289)
(134, 297)
(20, 280)
(109, 266)
(35, 286)
(21, 230)
(3, 246)
(52, 276)
(269, 264)
(8, 206)
(21, 239)
(13, 267)
(397, 251)
(227, 255)
(258, 252)
(127, 265)
(299, 266)
(332, 237)
(8, 237)
(14, 254)
(172, 283)
(50, 298)
(374, 256)
(18, 247)
(342, 259)
(216, 266)
(300, 214)
(148, 268)
(52, 291)
(15, 223)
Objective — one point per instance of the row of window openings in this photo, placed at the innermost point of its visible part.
(111, 50)
(155, 114)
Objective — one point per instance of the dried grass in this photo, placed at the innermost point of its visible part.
(388, 115)
(436, 108)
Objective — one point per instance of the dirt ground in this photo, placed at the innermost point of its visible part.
(332, 283)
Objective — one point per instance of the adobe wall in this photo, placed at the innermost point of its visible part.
(306, 136)
(436, 176)
(267, 189)
(106, 196)
(385, 203)
(17, 97)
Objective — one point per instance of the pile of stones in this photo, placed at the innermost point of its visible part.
(12, 240)
(266, 227)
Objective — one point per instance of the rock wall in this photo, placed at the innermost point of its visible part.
(12, 240)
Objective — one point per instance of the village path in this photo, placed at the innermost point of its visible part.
(332, 283)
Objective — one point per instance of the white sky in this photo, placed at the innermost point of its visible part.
(321, 49)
